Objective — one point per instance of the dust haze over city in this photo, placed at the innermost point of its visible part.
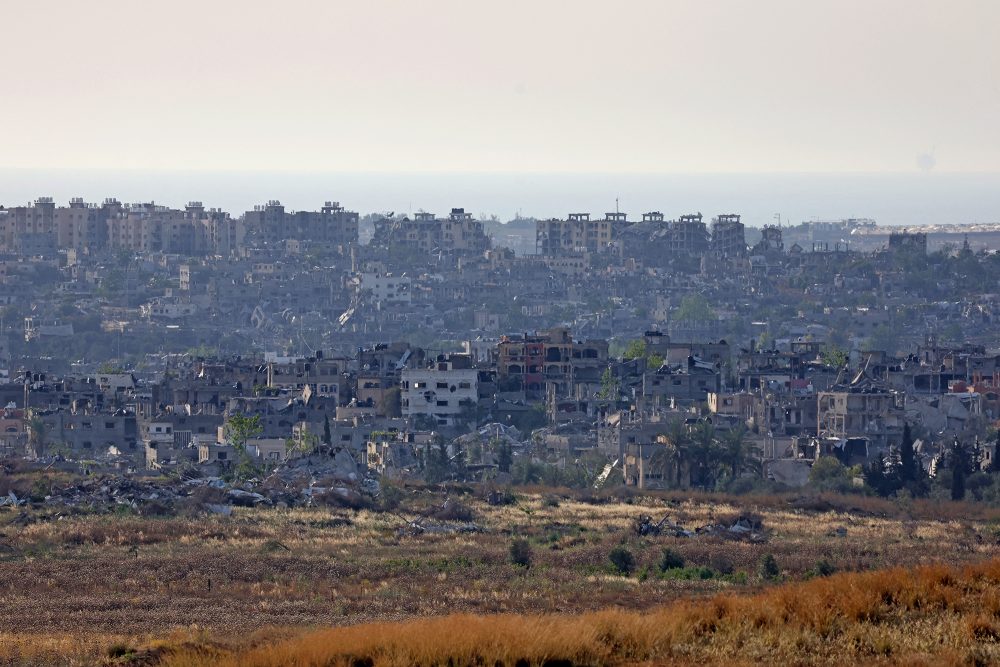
(531, 333)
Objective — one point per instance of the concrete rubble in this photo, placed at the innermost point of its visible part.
(315, 478)
(743, 528)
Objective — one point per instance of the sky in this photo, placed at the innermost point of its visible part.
(663, 86)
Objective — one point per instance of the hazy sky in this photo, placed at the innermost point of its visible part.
(440, 85)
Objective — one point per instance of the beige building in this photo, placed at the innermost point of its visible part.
(576, 234)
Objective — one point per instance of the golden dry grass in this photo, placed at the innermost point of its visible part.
(73, 586)
(930, 615)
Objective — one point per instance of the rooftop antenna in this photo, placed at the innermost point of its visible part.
(616, 205)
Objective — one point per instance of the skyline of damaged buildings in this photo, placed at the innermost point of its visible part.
(134, 332)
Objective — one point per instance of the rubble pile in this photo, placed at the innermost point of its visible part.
(644, 526)
(330, 477)
(745, 528)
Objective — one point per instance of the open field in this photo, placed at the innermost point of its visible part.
(931, 616)
(76, 587)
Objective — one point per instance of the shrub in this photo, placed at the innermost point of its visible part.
(769, 567)
(520, 553)
(824, 568)
(671, 560)
(622, 560)
(120, 651)
(499, 497)
(390, 496)
(688, 573)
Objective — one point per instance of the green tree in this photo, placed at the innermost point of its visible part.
(438, 466)
(834, 356)
(505, 455)
(238, 429)
(704, 452)
(911, 473)
(663, 461)
(304, 444)
(679, 439)
(520, 553)
(622, 560)
(876, 475)
(736, 453)
(327, 435)
(769, 569)
(635, 350)
(959, 470)
(36, 433)
(829, 474)
(694, 308)
(609, 385)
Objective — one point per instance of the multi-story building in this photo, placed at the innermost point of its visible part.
(577, 234)
(687, 235)
(864, 411)
(770, 241)
(443, 391)
(728, 237)
(82, 226)
(528, 362)
(385, 288)
(37, 218)
(459, 232)
(272, 224)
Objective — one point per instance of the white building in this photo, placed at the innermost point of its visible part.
(442, 392)
(168, 310)
(385, 288)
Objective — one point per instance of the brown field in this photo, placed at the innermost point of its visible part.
(928, 616)
(77, 589)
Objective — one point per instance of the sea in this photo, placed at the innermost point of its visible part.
(918, 198)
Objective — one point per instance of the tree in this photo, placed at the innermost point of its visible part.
(703, 453)
(834, 356)
(505, 456)
(994, 467)
(907, 458)
(304, 444)
(769, 567)
(635, 350)
(437, 467)
(829, 474)
(609, 385)
(622, 560)
(520, 552)
(238, 429)
(680, 441)
(663, 460)
(671, 560)
(36, 433)
(876, 477)
(736, 453)
(694, 308)
(327, 436)
(959, 465)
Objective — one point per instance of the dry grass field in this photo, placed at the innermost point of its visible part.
(98, 588)
(928, 616)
